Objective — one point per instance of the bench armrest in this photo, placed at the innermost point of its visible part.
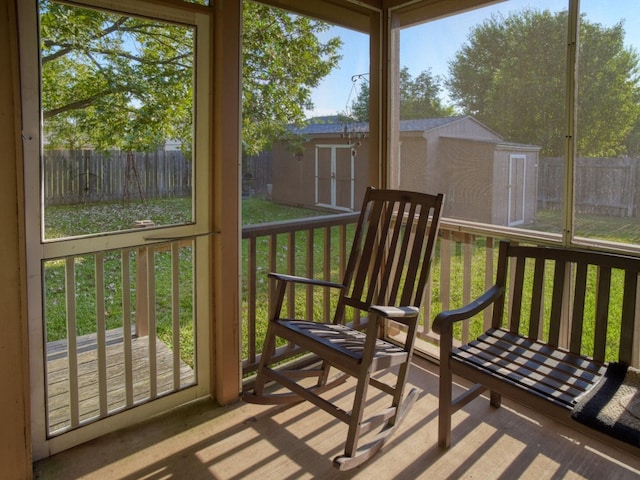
(447, 318)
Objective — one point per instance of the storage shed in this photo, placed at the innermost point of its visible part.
(326, 170)
(485, 178)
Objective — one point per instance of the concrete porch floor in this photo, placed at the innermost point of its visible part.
(241, 441)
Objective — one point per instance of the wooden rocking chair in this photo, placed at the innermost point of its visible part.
(385, 278)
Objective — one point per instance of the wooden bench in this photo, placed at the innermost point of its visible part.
(552, 332)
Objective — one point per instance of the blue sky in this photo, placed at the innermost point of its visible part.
(431, 45)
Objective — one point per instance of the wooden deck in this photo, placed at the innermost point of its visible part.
(117, 395)
(242, 441)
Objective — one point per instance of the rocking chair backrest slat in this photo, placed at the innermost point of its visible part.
(387, 280)
(429, 246)
(360, 254)
(387, 264)
(415, 261)
(396, 262)
(377, 259)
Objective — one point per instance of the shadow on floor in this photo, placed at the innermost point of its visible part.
(241, 441)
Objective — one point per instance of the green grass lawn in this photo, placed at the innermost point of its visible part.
(614, 229)
(66, 221)
(71, 220)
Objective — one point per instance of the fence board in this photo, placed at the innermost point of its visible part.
(86, 176)
(257, 174)
(604, 186)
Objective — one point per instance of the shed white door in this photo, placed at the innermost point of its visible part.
(335, 176)
(516, 189)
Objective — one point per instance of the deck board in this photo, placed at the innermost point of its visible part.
(58, 373)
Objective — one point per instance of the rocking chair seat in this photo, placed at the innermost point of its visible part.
(341, 345)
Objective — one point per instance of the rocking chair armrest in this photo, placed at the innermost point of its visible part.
(399, 314)
(307, 281)
(444, 320)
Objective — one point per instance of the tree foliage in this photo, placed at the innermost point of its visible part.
(283, 62)
(112, 81)
(511, 75)
(419, 98)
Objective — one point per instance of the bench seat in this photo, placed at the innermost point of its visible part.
(552, 373)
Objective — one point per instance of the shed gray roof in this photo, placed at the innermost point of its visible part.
(333, 124)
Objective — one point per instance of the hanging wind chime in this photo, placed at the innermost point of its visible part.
(354, 132)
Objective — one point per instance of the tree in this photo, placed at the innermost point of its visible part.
(126, 82)
(114, 81)
(511, 75)
(419, 98)
(283, 62)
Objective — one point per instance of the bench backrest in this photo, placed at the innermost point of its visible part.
(581, 300)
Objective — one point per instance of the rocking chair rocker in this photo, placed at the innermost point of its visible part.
(384, 280)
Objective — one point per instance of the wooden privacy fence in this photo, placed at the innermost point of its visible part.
(84, 176)
(605, 186)
(257, 174)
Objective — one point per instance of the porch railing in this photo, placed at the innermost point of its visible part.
(318, 247)
(110, 348)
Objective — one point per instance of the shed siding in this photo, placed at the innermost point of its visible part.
(468, 179)
(414, 162)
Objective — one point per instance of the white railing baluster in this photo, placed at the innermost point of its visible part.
(326, 294)
(489, 276)
(101, 333)
(72, 346)
(426, 307)
(126, 326)
(251, 292)
(175, 311)
(445, 273)
(151, 295)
